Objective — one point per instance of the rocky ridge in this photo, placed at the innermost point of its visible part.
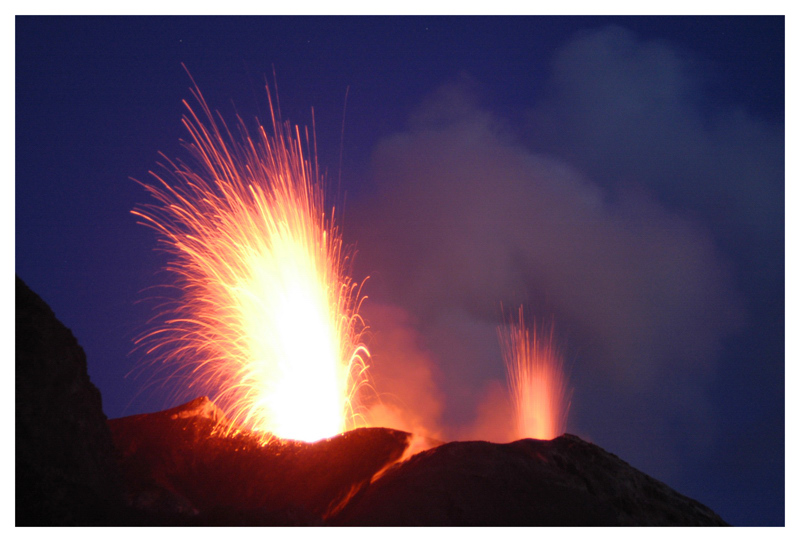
(66, 470)
(189, 466)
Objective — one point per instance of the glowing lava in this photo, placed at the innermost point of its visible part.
(536, 380)
(267, 318)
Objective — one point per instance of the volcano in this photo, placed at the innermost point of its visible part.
(189, 466)
(180, 462)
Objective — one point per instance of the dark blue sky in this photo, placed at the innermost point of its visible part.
(623, 176)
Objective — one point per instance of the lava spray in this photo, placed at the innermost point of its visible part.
(266, 320)
(536, 380)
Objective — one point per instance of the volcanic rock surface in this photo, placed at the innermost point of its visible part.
(66, 472)
(180, 468)
(562, 482)
(177, 467)
(175, 462)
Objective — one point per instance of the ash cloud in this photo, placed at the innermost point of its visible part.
(404, 374)
(609, 217)
(632, 111)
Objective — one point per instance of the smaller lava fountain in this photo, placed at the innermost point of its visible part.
(267, 319)
(536, 380)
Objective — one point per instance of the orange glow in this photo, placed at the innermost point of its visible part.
(267, 321)
(536, 381)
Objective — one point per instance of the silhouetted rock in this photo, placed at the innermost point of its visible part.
(66, 472)
(178, 468)
(565, 481)
(178, 464)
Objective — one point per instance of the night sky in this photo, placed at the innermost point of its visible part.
(622, 177)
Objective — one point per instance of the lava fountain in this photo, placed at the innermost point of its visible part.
(536, 380)
(267, 320)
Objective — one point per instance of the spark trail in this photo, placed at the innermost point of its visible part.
(266, 321)
(536, 380)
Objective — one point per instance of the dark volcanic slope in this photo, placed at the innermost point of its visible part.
(177, 467)
(65, 468)
(565, 481)
(178, 471)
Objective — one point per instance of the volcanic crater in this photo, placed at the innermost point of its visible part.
(184, 466)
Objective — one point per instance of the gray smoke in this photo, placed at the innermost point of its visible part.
(468, 214)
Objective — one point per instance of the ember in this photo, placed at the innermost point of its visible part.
(536, 380)
(267, 318)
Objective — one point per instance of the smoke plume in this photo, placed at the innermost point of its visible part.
(467, 214)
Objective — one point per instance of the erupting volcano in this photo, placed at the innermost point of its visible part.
(267, 324)
(536, 380)
(267, 318)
